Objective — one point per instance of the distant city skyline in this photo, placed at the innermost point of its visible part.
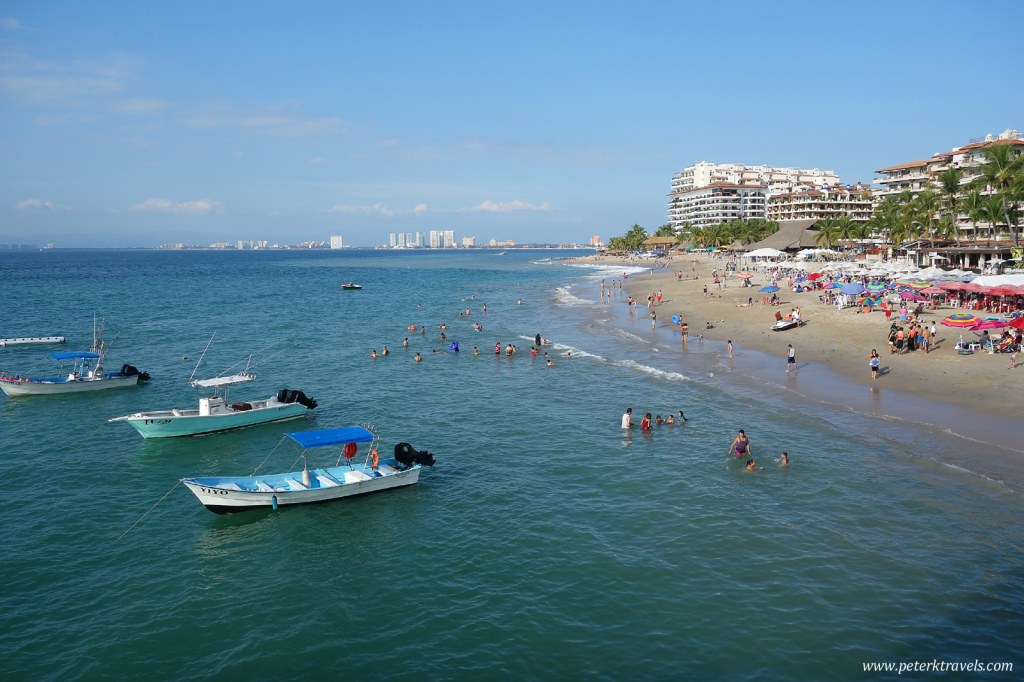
(140, 125)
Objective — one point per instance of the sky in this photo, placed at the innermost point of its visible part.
(138, 124)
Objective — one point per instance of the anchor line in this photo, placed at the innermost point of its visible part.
(87, 438)
(147, 513)
(268, 456)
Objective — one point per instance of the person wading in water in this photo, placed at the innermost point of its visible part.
(740, 445)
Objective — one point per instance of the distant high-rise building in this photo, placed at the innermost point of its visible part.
(419, 239)
(449, 239)
(408, 239)
(401, 239)
(394, 240)
(435, 239)
(336, 242)
(595, 240)
(468, 241)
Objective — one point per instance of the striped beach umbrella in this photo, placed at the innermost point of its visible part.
(909, 295)
(833, 285)
(988, 324)
(914, 283)
(875, 287)
(867, 300)
(963, 320)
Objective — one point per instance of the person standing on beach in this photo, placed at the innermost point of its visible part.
(654, 319)
(730, 348)
(791, 359)
(627, 418)
(873, 362)
(705, 291)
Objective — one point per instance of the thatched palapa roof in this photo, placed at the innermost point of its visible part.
(792, 234)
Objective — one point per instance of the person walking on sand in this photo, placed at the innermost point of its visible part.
(791, 359)
(740, 445)
(1013, 360)
(730, 349)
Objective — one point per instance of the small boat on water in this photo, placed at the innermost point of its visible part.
(216, 412)
(351, 286)
(29, 340)
(231, 494)
(86, 373)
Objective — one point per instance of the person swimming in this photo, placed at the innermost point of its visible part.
(751, 467)
(418, 358)
(785, 460)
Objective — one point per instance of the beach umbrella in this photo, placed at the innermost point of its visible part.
(988, 324)
(833, 285)
(877, 286)
(933, 290)
(769, 289)
(912, 296)
(964, 320)
(815, 275)
(852, 288)
(914, 283)
(1017, 323)
(800, 279)
(744, 275)
(867, 300)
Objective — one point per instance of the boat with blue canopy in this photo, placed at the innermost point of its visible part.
(85, 374)
(316, 483)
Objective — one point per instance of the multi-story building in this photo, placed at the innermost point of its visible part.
(732, 180)
(502, 243)
(917, 176)
(448, 239)
(468, 242)
(419, 240)
(825, 202)
(719, 202)
(393, 240)
(401, 240)
(336, 241)
(435, 239)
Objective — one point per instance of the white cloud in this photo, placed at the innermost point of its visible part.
(507, 206)
(10, 23)
(39, 204)
(377, 209)
(317, 160)
(138, 105)
(278, 120)
(168, 206)
(420, 208)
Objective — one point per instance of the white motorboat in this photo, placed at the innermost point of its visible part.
(86, 374)
(30, 340)
(216, 412)
(783, 325)
(231, 494)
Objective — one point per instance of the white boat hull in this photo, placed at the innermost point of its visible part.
(19, 387)
(28, 340)
(221, 500)
(167, 424)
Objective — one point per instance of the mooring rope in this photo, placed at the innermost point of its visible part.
(268, 456)
(150, 509)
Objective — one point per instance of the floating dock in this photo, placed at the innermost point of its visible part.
(26, 340)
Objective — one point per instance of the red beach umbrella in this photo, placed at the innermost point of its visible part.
(912, 296)
(814, 275)
(1017, 323)
(933, 290)
(744, 275)
(988, 324)
(1003, 290)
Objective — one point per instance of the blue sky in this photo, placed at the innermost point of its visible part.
(136, 124)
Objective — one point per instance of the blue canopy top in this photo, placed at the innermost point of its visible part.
(324, 437)
(71, 356)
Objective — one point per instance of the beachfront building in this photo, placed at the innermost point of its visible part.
(336, 242)
(442, 239)
(719, 202)
(502, 243)
(733, 179)
(420, 241)
(468, 242)
(917, 176)
(824, 202)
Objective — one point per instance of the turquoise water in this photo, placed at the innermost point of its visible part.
(546, 543)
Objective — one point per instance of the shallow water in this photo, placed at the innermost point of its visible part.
(546, 542)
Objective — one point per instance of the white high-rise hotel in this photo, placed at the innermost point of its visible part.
(708, 193)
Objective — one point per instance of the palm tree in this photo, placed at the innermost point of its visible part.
(928, 204)
(717, 235)
(666, 231)
(1000, 171)
(949, 185)
(826, 232)
(973, 206)
(845, 229)
(992, 211)
(947, 228)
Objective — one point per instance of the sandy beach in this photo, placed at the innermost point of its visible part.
(841, 340)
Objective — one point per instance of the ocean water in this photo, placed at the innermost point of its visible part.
(546, 543)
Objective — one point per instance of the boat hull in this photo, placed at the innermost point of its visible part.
(166, 424)
(20, 387)
(221, 500)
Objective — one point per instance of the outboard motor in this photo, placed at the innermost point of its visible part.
(406, 456)
(292, 396)
(129, 371)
